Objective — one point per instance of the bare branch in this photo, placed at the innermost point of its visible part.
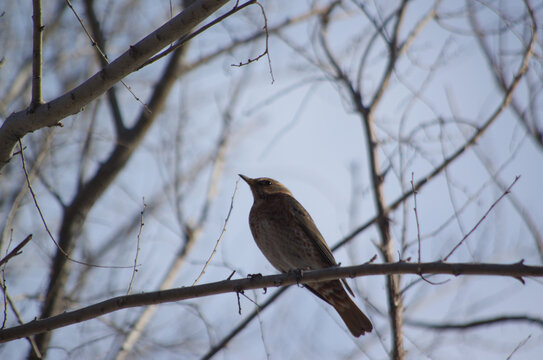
(21, 123)
(506, 192)
(220, 237)
(477, 323)
(186, 38)
(60, 249)
(266, 51)
(17, 250)
(135, 269)
(517, 270)
(37, 52)
(222, 344)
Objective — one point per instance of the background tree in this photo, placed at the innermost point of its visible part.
(352, 104)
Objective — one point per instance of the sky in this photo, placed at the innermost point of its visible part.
(302, 131)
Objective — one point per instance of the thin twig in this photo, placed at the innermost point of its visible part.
(103, 55)
(4, 288)
(266, 51)
(220, 236)
(135, 270)
(17, 250)
(273, 30)
(19, 318)
(416, 213)
(521, 344)
(188, 37)
(35, 200)
(222, 344)
(418, 229)
(507, 191)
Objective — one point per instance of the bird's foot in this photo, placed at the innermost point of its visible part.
(299, 274)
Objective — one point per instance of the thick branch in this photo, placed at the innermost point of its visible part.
(517, 270)
(23, 122)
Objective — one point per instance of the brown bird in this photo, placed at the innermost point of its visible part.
(290, 240)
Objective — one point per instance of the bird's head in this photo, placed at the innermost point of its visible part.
(264, 187)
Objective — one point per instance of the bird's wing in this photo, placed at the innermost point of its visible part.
(306, 223)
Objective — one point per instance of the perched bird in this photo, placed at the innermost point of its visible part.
(288, 237)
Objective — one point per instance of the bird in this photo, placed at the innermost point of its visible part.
(288, 237)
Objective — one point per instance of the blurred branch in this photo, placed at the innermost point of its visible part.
(37, 53)
(524, 214)
(506, 192)
(21, 80)
(517, 270)
(20, 123)
(29, 339)
(500, 72)
(476, 323)
(222, 344)
(17, 199)
(100, 43)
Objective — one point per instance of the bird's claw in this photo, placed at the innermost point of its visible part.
(299, 274)
(254, 276)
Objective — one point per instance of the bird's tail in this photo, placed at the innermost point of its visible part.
(334, 294)
(357, 322)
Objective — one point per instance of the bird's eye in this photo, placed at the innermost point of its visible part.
(266, 182)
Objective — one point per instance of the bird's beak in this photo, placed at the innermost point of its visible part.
(248, 180)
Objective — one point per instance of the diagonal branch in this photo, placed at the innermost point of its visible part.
(98, 44)
(23, 122)
(17, 250)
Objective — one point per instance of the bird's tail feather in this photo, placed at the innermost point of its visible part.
(357, 322)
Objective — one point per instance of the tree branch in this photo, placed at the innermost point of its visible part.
(517, 270)
(23, 122)
(476, 323)
(37, 37)
(17, 250)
